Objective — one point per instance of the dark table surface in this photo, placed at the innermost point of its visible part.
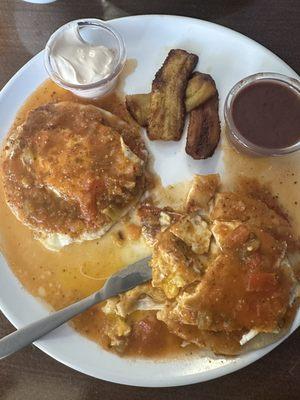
(24, 29)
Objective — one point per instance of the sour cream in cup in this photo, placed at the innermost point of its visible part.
(85, 56)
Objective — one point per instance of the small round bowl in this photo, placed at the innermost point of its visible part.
(104, 35)
(235, 137)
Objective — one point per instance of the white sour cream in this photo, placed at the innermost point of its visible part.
(78, 62)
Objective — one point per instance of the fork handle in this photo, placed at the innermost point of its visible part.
(30, 333)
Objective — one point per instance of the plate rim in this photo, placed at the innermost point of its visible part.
(196, 377)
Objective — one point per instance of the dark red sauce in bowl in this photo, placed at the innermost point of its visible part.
(263, 114)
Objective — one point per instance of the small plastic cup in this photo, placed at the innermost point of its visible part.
(93, 31)
(233, 134)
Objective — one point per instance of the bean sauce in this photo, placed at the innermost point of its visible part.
(267, 114)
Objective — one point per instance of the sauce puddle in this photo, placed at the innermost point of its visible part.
(280, 174)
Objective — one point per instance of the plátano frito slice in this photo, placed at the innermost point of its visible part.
(204, 130)
(138, 106)
(200, 88)
(167, 108)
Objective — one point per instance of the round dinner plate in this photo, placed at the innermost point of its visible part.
(226, 55)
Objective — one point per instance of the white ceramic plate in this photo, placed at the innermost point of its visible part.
(226, 55)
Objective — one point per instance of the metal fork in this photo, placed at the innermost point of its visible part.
(120, 282)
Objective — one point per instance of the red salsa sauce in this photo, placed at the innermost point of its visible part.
(267, 114)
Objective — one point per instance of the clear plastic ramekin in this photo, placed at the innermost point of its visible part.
(106, 36)
(235, 137)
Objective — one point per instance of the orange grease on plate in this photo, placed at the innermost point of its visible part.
(280, 174)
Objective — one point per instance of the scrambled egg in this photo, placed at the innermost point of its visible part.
(217, 282)
(193, 231)
(141, 298)
(202, 191)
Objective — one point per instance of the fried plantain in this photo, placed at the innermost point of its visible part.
(138, 106)
(200, 88)
(204, 130)
(167, 108)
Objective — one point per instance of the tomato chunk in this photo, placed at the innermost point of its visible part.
(261, 281)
